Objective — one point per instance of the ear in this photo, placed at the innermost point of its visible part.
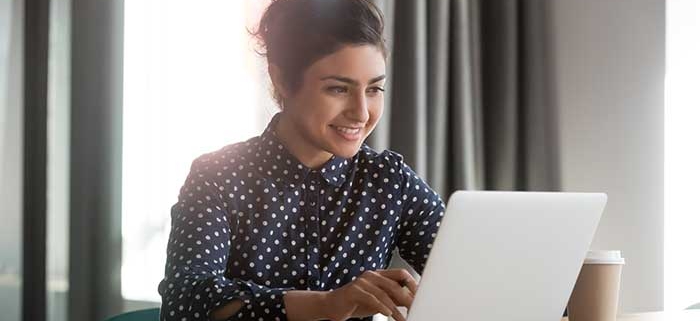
(276, 77)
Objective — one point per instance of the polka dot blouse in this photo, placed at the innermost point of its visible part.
(252, 222)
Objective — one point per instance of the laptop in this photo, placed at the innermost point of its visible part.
(507, 256)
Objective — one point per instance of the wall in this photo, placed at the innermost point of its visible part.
(609, 70)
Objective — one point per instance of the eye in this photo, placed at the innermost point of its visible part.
(337, 89)
(375, 89)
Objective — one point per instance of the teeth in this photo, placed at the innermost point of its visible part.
(347, 130)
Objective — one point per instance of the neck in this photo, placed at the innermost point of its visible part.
(308, 154)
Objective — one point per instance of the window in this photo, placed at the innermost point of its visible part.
(682, 156)
(192, 84)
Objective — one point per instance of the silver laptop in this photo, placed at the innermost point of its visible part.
(507, 256)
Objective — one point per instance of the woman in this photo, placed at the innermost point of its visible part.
(300, 222)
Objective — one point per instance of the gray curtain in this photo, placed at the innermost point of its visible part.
(520, 135)
(11, 135)
(95, 154)
(469, 104)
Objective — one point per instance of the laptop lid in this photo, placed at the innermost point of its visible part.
(504, 256)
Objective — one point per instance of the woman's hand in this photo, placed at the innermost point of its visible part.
(373, 292)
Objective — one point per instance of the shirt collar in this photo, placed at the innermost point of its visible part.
(276, 161)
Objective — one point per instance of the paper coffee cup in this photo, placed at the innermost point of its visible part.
(595, 295)
(604, 257)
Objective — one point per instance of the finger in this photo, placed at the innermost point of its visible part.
(383, 297)
(398, 316)
(372, 303)
(403, 277)
(397, 293)
(378, 293)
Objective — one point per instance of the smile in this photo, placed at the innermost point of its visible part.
(347, 130)
(349, 133)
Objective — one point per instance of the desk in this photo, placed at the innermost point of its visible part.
(686, 315)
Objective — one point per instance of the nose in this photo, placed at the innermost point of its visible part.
(359, 109)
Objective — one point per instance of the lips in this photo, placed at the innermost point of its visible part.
(348, 133)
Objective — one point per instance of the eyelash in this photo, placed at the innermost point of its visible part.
(335, 89)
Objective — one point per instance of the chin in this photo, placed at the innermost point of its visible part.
(347, 152)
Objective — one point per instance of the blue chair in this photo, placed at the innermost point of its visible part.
(138, 315)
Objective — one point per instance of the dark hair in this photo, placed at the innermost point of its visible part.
(293, 34)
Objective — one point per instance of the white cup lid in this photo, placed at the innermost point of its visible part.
(604, 257)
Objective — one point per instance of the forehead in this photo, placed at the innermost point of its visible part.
(361, 62)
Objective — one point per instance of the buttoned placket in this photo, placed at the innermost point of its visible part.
(312, 188)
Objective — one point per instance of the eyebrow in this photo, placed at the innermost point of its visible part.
(351, 81)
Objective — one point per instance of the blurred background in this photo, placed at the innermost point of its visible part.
(104, 104)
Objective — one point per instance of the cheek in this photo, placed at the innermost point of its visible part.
(313, 108)
(375, 111)
(320, 104)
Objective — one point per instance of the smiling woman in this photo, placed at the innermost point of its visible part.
(300, 223)
(337, 107)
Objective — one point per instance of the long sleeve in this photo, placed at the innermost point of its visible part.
(198, 250)
(422, 211)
